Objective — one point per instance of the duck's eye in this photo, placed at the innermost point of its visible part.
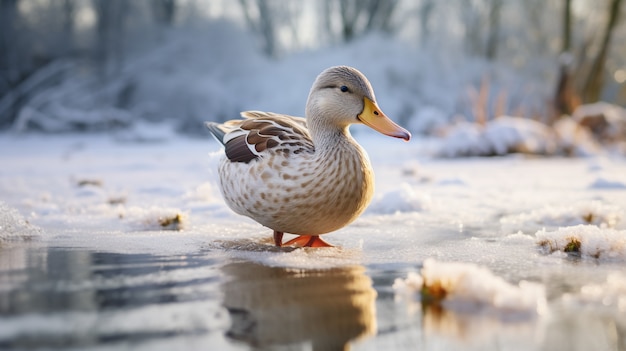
(343, 88)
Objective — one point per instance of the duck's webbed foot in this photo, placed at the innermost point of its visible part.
(307, 241)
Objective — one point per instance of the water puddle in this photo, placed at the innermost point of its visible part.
(71, 298)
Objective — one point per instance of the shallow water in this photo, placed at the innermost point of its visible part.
(71, 298)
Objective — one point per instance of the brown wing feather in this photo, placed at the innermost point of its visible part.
(237, 150)
(266, 130)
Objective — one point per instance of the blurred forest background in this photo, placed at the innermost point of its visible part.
(97, 65)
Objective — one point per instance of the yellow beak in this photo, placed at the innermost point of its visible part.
(374, 118)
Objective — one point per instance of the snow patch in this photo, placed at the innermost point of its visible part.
(13, 226)
(427, 120)
(465, 286)
(575, 140)
(156, 218)
(204, 192)
(464, 139)
(403, 199)
(586, 241)
(514, 134)
(518, 238)
(500, 136)
(552, 217)
(606, 121)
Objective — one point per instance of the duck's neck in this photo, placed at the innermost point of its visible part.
(343, 166)
(337, 146)
(330, 139)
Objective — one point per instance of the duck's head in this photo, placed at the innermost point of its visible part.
(342, 96)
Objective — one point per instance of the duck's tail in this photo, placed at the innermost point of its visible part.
(216, 131)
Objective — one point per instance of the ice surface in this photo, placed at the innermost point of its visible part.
(96, 193)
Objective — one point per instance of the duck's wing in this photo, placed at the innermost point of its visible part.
(262, 133)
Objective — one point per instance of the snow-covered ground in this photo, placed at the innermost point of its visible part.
(507, 218)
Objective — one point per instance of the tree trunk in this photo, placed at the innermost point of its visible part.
(67, 47)
(264, 25)
(565, 98)
(109, 48)
(164, 11)
(595, 80)
(567, 26)
(350, 11)
(473, 23)
(494, 29)
(426, 11)
(9, 51)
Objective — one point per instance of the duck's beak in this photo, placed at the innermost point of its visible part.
(374, 118)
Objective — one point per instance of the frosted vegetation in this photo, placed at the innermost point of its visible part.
(469, 287)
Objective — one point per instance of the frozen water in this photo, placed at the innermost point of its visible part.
(103, 262)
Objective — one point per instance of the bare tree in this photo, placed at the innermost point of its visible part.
(261, 18)
(68, 13)
(12, 60)
(567, 26)
(362, 16)
(109, 46)
(346, 20)
(565, 98)
(9, 61)
(350, 11)
(481, 19)
(471, 19)
(538, 31)
(425, 12)
(164, 11)
(593, 84)
(491, 46)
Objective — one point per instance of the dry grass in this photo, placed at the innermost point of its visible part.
(572, 246)
(485, 109)
(589, 217)
(175, 222)
(89, 182)
(433, 293)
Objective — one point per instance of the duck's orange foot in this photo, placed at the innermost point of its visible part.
(308, 241)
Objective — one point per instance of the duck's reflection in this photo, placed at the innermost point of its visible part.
(279, 306)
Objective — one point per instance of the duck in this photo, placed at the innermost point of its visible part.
(304, 176)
